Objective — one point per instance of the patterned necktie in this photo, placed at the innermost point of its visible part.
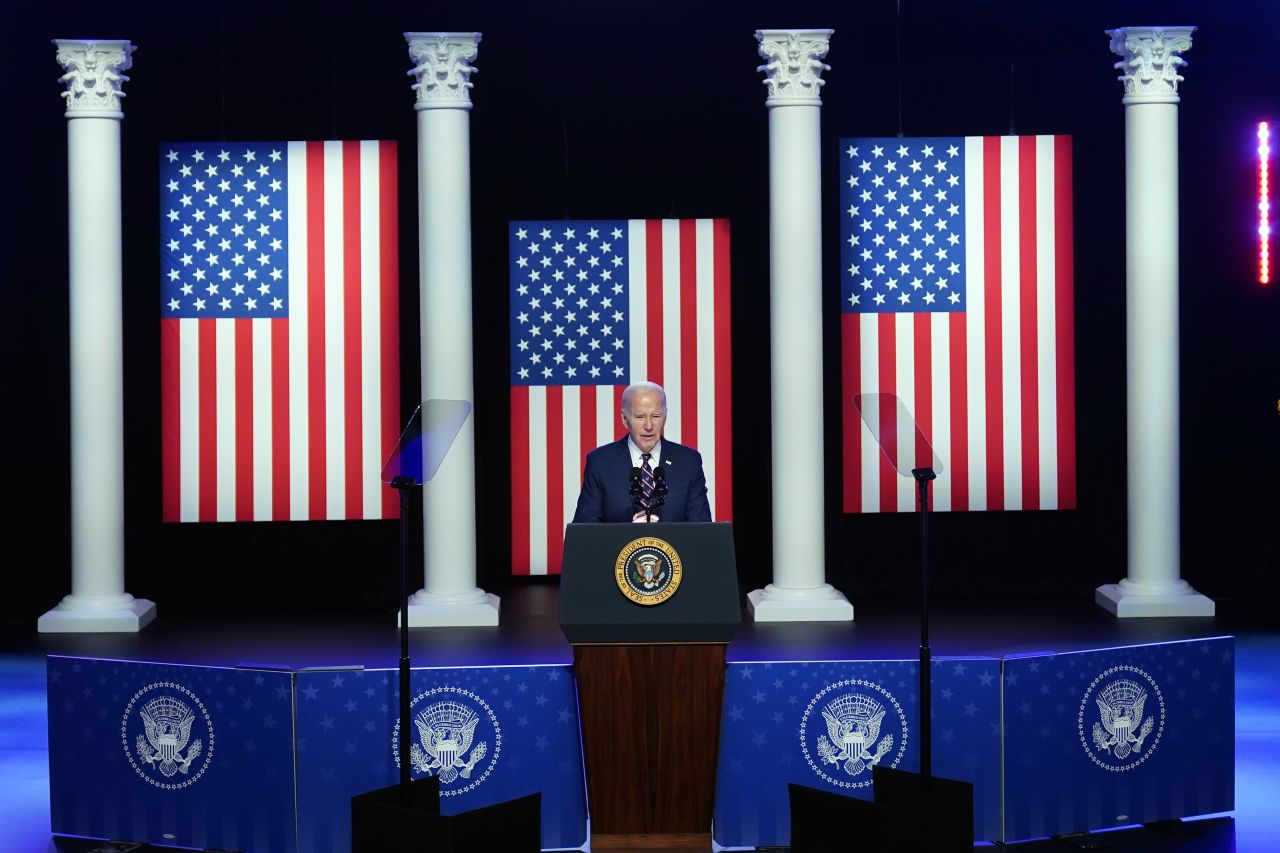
(646, 479)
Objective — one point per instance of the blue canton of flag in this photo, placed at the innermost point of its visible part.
(223, 230)
(903, 226)
(569, 323)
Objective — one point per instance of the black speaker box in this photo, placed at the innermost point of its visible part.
(937, 819)
(380, 822)
(822, 822)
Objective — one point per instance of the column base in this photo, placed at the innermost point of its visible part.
(122, 614)
(1129, 599)
(475, 608)
(786, 604)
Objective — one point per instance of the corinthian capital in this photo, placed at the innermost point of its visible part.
(94, 73)
(441, 65)
(794, 66)
(1150, 62)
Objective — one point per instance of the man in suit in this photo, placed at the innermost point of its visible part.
(606, 483)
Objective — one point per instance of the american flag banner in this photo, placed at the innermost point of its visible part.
(279, 330)
(956, 295)
(595, 306)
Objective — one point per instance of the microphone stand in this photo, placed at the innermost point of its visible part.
(659, 492)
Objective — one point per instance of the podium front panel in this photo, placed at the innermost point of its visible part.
(704, 608)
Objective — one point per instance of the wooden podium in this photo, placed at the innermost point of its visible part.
(650, 675)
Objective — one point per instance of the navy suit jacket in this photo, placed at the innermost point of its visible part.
(606, 485)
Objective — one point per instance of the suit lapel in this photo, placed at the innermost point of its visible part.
(621, 461)
(671, 460)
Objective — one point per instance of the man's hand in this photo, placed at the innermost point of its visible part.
(640, 518)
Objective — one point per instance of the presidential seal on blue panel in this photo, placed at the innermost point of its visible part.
(850, 727)
(167, 735)
(648, 570)
(458, 739)
(1121, 718)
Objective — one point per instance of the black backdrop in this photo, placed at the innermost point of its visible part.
(647, 110)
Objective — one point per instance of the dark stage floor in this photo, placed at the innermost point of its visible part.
(529, 634)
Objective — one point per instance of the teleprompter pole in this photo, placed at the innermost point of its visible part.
(403, 485)
(923, 476)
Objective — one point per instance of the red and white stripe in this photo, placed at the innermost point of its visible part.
(679, 337)
(992, 388)
(291, 418)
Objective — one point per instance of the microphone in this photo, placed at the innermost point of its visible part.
(660, 484)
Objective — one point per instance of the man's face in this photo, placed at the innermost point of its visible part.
(644, 419)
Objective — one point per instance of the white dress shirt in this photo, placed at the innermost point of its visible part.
(655, 455)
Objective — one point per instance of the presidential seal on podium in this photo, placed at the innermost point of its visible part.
(648, 570)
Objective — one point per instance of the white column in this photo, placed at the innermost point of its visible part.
(441, 66)
(98, 602)
(1149, 72)
(799, 592)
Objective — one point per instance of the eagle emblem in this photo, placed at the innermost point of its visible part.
(862, 726)
(1123, 728)
(853, 726)
(1124, 731)
(168, 729)
(446, 731)
(648, 571)
(165, 753)
(458, 739)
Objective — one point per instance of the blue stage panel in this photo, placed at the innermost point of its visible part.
(1120, 736)
(177, 755)
(790, 721)
(966, 733)
(490, 734)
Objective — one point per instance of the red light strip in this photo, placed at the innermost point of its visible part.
(1264, 203)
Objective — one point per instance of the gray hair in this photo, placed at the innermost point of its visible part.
(643, 386)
